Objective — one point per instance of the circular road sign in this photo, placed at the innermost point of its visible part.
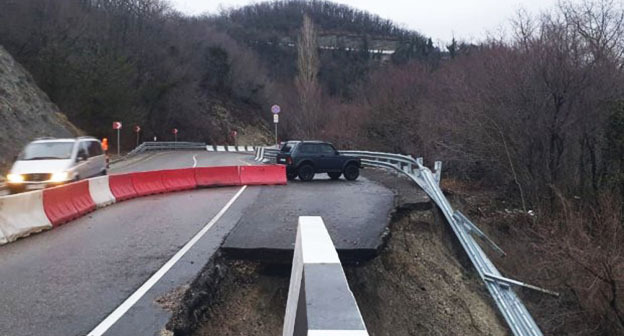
(137, 129)
(275, 109)
(175, 131)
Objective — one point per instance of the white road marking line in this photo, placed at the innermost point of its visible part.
(111, 319)
(135, 162)
(194, 160)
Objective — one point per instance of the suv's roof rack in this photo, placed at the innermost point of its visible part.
(44, 138)
(86, 137)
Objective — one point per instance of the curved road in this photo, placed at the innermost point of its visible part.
(68, 280)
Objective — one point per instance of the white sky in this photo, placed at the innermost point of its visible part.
(469, 20)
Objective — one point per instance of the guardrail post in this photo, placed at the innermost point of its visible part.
(437, 168)
(319, 299)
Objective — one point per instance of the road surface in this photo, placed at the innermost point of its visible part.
(68, 280)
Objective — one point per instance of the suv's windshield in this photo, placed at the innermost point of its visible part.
(47, 151)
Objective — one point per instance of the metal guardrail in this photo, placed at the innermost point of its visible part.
(267, 154)
(515, 313)
(171, 145)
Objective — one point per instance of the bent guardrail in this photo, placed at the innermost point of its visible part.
(320, 301)
(511, 307)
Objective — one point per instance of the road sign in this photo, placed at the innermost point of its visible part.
(234, 133)
(276, 118)
(175, 131)
(275, 109)
(117, 126)
(137, 129)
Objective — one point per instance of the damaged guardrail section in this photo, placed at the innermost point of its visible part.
(320, 301)
(511, 307)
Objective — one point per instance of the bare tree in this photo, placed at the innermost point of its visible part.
(309, 119)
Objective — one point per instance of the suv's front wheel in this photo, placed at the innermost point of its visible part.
(351, 172)
(306, 172)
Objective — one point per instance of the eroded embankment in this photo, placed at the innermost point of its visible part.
(420, 284)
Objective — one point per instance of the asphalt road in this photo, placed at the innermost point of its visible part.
(66, 281)
(355, 214)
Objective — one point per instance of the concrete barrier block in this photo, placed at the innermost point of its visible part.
(22, 215)
(100, 191)
(220, 148)
(320, 301)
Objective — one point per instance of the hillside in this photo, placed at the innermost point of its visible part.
(26, 112)
(141, 63)
(352, 43)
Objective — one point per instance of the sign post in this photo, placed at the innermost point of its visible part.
(275, 109)
(234, 135)
(175, 134)
(137, 129)
(117, 126)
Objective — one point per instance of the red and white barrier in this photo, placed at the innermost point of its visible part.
(218, 176)
(121, 187)
(101, 192)
(27, 213)
(22, 215)
(263, 175)
(148, 183)
(179, 179)
(67, 202)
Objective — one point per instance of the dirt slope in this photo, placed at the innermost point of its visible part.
(26, 112)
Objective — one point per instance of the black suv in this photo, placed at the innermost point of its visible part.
(306, 158)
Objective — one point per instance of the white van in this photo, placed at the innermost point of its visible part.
(49, 162)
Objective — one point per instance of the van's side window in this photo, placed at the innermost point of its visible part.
(83, 150)
(95, 149)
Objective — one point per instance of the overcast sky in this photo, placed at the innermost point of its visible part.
(469, 20)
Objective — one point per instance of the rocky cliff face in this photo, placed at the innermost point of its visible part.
(26, 112)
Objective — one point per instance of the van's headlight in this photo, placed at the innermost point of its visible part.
(15, 178)
(59, 177)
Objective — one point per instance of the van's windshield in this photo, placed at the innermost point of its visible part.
(47, 151)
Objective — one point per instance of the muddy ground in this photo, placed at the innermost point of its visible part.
(420, 284)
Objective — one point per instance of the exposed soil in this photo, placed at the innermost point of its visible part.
(233, 297)
(420, 284)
